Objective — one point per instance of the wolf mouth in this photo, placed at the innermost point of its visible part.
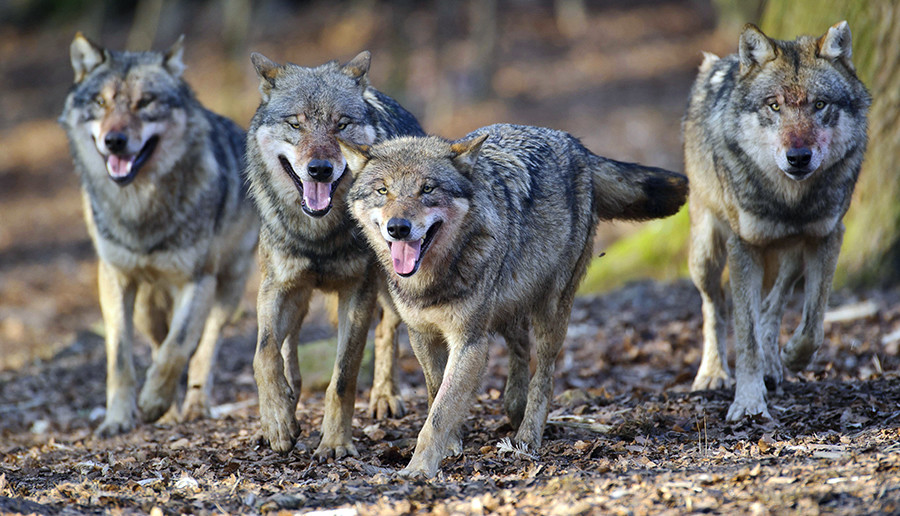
(315, 196)
(407, 255)
(123, 169)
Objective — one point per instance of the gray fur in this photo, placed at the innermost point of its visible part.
(175, 236)
(307, 243)
(504, 221)
(773, 140)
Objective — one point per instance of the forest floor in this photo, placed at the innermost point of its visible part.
(625, 435)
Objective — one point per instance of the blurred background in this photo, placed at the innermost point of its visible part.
(615, 73)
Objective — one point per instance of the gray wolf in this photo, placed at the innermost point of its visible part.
(774, 137)
(166, 208)
(299, 181)
(491, 234)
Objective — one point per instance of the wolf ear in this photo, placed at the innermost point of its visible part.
(86, 55)
(358, 68)
(755, 47)
(267, 70)
(837, 44)
(174, 58)
(465, 153)
(356, 155)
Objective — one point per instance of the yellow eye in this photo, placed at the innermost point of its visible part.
(99, 100)
(382, 191)
(775, 106)
(820, 104)
(341, 126)
(427, 189)
(293, 124)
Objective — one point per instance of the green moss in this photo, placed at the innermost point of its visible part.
(658, 250)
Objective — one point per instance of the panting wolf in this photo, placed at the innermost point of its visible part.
(166, 208)
(774, 137)
(299, 181)
(491, 233)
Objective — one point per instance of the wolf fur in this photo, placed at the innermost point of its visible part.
(299, 181)
(166, 208)
(491, 233)
(774, 137)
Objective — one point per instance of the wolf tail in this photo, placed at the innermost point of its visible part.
(631, 191)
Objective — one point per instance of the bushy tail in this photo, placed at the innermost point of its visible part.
(631, 191)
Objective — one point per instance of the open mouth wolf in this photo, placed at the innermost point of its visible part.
(315, 196)
(123, 168)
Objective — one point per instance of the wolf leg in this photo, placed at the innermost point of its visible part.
(746, 262)
(772, 312)
(384, 399)
(706, 263)
(117, 296)
(515, 394)
(820, 259)
(465, 369)
(192, 306)
(355, 309)
(280, 312)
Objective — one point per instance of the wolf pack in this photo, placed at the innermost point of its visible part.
(336, 188)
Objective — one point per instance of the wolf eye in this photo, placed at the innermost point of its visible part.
(427, 189)
(774, 106)
(382, 191)
(145, 101)
(820, 104)
(342, 125)
(99, 100)
(293, 124)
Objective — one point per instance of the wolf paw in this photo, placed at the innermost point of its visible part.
(385, 405)
(110, 428)
(710, 380)
(154, 404)
(280, 432)
(339, 451)
(743, 407)
(195, 406)
(798, 352)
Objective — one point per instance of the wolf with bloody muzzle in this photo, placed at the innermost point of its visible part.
(166, 207)
(299, 180)
(774, 138)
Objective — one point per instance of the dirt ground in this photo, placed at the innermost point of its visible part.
(625, 436)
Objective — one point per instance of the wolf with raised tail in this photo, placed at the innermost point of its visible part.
(166, 207)
(299, 181)
(774, 137)
(491, 233)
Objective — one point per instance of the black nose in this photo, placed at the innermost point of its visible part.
(116, 141)
(799, 158)
(398, 228)
(320, 170)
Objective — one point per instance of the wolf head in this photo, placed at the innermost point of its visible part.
(803, 97)
(124, 107)
(411, 196)
(302, 113)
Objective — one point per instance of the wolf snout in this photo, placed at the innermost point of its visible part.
(320, 170)
(399, 228)
(116, 141)
(799, 157)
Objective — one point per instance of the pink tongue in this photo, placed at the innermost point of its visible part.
(119, 166)
(316, 195)
(405, 255)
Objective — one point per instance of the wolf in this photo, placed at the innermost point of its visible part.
(774, 137)
(166, 207)
(299, 181)
(491, 234)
